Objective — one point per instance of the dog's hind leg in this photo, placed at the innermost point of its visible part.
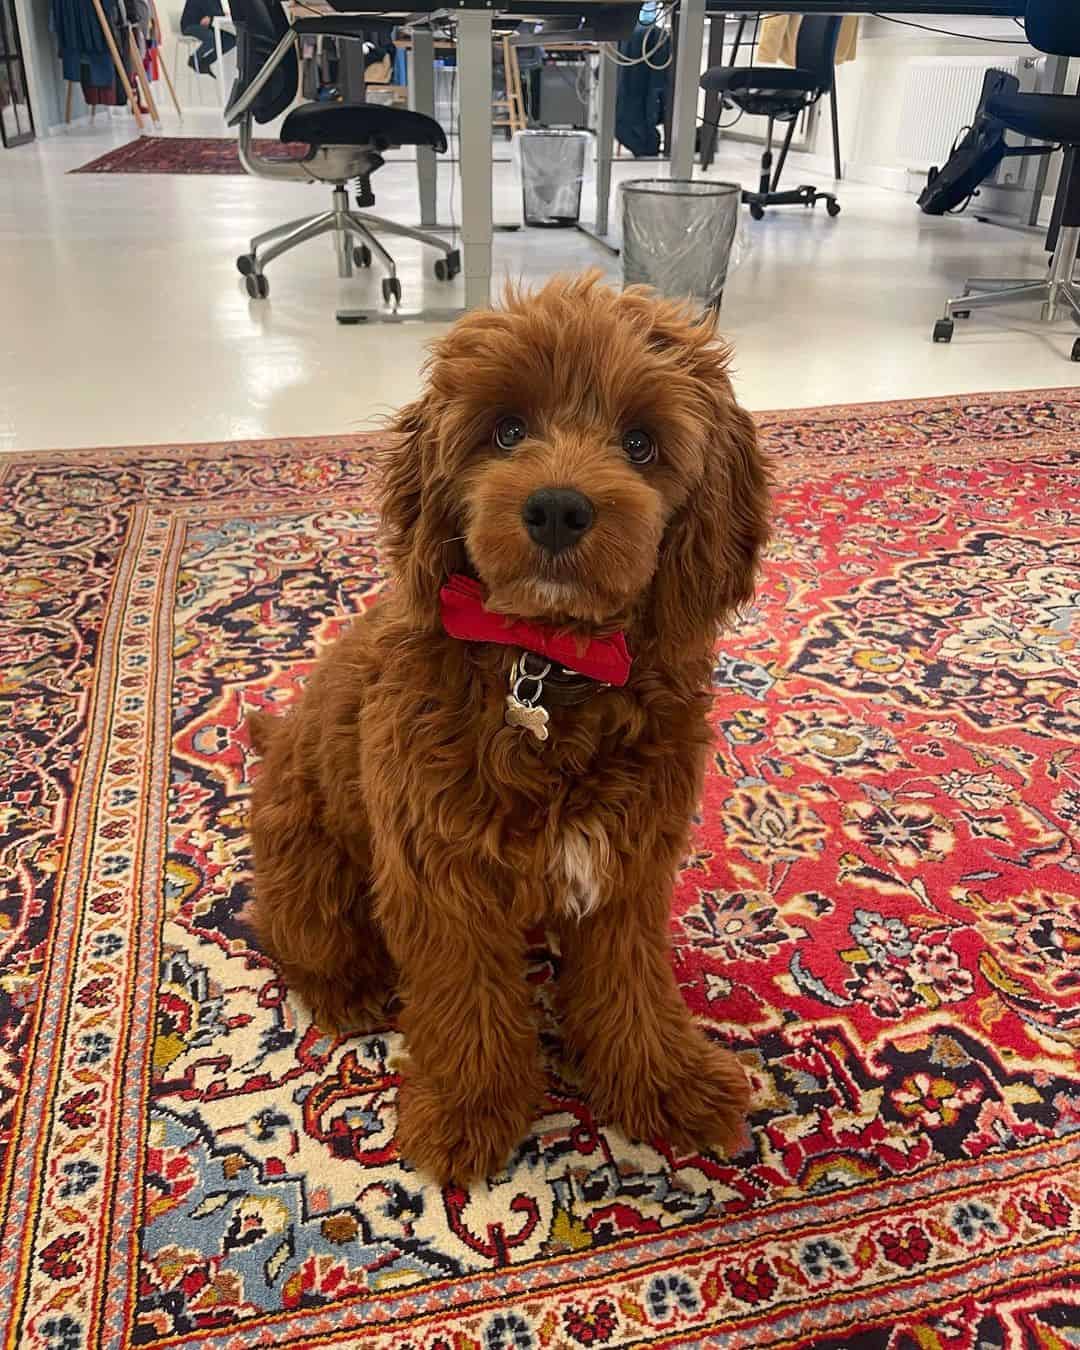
(312, 914)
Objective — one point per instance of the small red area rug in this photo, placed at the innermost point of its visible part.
(185, 154)
(881, 915)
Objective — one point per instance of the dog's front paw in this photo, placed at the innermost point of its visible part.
(699, 1100)
(456, 1142)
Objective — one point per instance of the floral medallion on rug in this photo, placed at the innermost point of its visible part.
(881, 915)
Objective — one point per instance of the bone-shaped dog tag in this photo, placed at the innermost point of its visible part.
(533, 717)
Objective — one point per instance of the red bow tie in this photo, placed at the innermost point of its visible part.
(464, 616)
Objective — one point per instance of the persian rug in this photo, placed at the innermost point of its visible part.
(881, 915)
(185, 154)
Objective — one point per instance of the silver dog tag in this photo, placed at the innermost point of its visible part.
(523, 706)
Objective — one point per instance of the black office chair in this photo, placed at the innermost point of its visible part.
(782, 95)
(344, 141)
(1051, 26)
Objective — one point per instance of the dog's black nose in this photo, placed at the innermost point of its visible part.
(556, 518)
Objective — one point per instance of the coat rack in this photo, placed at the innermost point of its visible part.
(133, 81)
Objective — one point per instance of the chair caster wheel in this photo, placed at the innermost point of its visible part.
(446, 269)
(961, 313)
(361, 255)
(245, 264)
(257, 286)
(833, 208)
(1074, 355)
(391, 290)
(757, 211)
(943, 330)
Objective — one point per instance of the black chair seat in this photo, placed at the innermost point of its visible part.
(361, 124)
(727, 79)
(1046, 117)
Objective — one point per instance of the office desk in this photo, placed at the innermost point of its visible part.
(419, 47)
(474, 33)
(474, 25)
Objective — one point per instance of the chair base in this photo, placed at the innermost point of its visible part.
(805, 195)
(1058, 295)
(356, 243)
(769, 192)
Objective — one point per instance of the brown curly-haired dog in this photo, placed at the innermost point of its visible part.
(580, 455)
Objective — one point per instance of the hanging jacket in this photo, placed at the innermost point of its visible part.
(642, 92)
(80, 41)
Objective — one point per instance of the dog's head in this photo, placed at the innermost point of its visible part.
(580, 451)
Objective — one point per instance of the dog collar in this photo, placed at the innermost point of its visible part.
(604, 659)
(554, 667)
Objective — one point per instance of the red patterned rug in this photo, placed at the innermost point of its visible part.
(185, 154)
(882, 915)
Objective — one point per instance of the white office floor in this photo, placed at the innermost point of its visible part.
(128, 324)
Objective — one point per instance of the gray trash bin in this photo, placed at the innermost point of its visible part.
(677, 234)
(552, 167)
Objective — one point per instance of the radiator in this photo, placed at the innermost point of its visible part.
(940, 97)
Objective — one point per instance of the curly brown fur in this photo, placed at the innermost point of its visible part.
(405, 838)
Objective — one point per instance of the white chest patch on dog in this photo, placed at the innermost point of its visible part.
(580, 862)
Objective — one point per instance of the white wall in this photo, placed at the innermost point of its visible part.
(870, 93)
(44, 78)
(870, 90)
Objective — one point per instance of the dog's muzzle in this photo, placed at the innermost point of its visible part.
(556, 518)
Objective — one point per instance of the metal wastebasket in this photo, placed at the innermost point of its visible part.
(552, 167)
(677, 234)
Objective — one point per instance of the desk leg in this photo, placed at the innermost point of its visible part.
(710, 132)
(222, 91)
(605, 137)
(687, 75)
(422, 100)
(474, 149)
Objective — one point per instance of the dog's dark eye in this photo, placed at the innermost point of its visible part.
(638, 446)
(510, 431)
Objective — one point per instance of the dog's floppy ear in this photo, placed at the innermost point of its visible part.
(710, 552)
(417, 515)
